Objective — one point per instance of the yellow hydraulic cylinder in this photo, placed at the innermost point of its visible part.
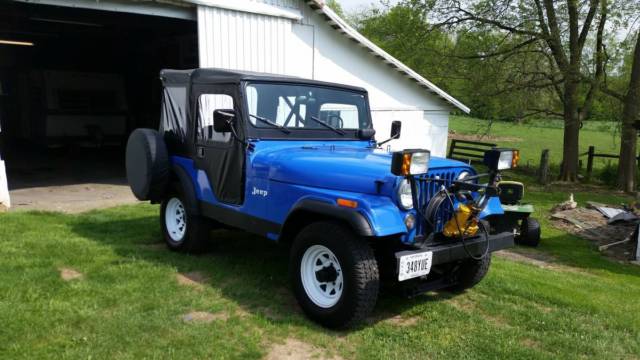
(461, 221)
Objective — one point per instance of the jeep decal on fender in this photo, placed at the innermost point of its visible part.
(259, 192)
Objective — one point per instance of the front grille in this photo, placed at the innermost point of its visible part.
(426, 190)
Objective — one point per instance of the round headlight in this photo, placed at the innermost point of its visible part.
(405, 200)
(463, 175)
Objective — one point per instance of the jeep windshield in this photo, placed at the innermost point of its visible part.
(307, 110)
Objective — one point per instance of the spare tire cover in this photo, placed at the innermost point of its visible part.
(147, 162)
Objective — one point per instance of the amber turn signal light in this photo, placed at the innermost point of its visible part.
(498, 159)
(410, 162)
(516, 158)
(347, 203)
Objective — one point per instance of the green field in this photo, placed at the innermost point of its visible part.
(531, 138)
(128, 304)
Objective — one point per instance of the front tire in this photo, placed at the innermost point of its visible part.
(182, 229)
(335, 275)
(470, 273)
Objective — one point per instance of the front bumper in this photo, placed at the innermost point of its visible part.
(449, 252)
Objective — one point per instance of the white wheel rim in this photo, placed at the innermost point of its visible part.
(175, 219)
(321, 276)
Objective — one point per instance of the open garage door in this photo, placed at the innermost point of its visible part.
(74, 82)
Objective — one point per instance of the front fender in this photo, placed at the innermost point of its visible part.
(384, 215)
(381, 214)
(358, 222)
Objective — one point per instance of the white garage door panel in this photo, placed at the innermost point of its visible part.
(242, 41)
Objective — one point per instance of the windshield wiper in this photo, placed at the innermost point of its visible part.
(269, 122)
(327, 125)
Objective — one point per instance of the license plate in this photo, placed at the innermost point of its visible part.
(414, 265)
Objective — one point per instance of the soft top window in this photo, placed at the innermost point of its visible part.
(173, 117)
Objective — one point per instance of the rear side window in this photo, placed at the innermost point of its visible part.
(173, 114)
(207, 104)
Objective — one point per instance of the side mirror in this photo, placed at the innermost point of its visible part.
(396, 127)
(222, 120)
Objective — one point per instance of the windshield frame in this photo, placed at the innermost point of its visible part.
(321, 133)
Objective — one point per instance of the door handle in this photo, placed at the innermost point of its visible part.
(200, 151)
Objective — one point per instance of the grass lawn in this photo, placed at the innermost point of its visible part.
(533, 137)
(128, 303)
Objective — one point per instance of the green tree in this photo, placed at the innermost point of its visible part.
(630, 98)
(559, 30)
(450, 59)
(336, 7)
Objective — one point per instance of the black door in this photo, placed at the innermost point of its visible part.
(219, 154)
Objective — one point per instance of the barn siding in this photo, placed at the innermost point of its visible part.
(242, 41)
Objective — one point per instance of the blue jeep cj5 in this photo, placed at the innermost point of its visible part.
(296, 161)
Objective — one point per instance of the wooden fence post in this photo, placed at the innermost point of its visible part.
(543, 172)
(590, 153)
(451, 147)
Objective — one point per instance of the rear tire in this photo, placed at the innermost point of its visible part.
(529, 232)
(470, 273)
(334, 274)
(182, 229)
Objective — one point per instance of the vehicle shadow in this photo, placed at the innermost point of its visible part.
(248, 270)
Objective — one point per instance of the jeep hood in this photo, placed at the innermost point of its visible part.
(361, 170)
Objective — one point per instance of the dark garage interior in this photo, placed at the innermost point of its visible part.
(74, 83)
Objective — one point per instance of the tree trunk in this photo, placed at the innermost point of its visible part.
(627, 165)
(569, 170)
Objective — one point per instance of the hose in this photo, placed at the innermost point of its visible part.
(433, 206)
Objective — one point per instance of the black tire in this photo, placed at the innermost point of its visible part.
(195, 237)
(470, 273)
(529, 232)
(359, 269)
(147, 164)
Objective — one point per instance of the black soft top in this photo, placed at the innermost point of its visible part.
(184, 78)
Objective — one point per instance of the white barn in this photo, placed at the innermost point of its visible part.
(84, 73)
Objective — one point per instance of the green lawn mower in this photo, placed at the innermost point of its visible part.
(517, 215)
